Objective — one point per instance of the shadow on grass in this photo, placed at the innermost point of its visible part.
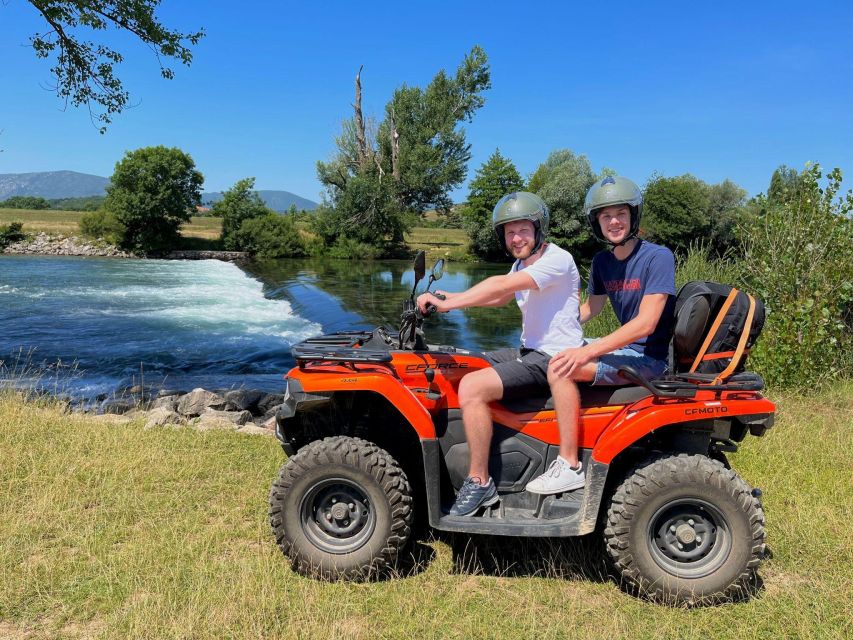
(569, 558)
(581, 558)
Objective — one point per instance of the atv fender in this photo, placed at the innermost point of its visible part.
(641, 419)
(303, 392)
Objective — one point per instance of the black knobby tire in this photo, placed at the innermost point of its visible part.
(685, 530)
(341, 508)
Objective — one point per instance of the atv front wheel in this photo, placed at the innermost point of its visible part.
(341, 508)
(684, 529)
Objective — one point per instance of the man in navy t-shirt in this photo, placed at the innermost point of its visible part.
(638, 278)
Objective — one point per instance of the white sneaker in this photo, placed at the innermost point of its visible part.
(557, 478)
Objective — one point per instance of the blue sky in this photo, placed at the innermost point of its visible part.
(722, 90)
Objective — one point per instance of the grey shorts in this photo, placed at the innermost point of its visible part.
(607, 372)
(523, 372)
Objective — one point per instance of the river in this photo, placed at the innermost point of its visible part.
(89, 326)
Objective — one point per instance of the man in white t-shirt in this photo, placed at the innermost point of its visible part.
(546, 285)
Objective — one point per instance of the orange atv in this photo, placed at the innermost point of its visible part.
(373, 432)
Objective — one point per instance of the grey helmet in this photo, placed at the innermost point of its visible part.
(521, 205)
(610, 191)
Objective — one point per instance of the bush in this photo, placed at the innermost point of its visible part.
(269, 236)
(239, 204)
(799, 260)
(345, 249)
(12, 232)
(102, 224)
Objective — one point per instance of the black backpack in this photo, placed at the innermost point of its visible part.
(715, 327)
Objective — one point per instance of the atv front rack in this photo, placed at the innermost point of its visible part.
(343, 346)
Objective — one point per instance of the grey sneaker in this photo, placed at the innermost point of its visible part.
(559, 477)
(472, 496)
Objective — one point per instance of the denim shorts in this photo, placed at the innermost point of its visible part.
(607, 372)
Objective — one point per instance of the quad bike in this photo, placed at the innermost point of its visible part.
(373, 432)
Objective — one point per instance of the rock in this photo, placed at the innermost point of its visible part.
(268, 424)
(255, 430)
(196, 401)
(117, 405)
(269, 401)
(243, 400)
(212, 419)
(233, 417)
(169, 402)
(162, 416)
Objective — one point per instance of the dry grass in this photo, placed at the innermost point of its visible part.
(111, 531)
(67, 223)
(439, 243)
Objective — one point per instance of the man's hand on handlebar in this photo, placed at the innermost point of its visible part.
(429, 302)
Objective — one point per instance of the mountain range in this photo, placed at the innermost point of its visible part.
(53, 185)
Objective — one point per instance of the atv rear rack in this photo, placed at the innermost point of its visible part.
(686, 385)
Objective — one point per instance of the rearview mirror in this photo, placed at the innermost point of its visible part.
(420, 265)
(438, 269)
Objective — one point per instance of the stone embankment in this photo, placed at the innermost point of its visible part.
(48, 245)
(45, 244)
(246, 411)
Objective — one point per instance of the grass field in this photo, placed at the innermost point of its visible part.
(68, 223)
(109, 530)
(439, 243)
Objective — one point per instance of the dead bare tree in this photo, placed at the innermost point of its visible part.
(361, 137)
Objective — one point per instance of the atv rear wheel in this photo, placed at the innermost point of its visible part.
(684, 529)
(341, 508)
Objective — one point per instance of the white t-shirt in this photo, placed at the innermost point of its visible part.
(550, 316)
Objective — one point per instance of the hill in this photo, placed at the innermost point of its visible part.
(275, 200)
(51, 184)
(56, 185)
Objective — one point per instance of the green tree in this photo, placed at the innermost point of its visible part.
(238, 204)
(726, 208)
(676, 211)
(269, 235)
(562, 182)
(786, 185)
(25, 202)
(85, 70)
(494, 179)
(151, 194)
(684, 211)
(382, 174)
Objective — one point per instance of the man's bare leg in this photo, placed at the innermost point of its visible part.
(567, 405)
(476, 391)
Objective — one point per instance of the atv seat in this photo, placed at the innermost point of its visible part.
(591, 396)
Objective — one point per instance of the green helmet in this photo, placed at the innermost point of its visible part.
(610, 191)
(521, 205)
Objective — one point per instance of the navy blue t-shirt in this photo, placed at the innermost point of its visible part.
(649, 269)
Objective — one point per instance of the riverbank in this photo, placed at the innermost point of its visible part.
(44, 244)
(163, 533)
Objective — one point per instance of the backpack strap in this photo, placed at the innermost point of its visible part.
(741, 345)
(713, 330)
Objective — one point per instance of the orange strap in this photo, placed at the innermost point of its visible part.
(741, 345)
(720, 355)
(713, 331)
